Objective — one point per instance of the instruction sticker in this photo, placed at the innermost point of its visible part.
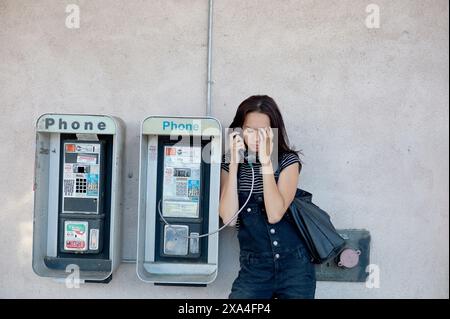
(171, 151)
(181, 184)
(94, 169)
(71, 148)
(194, 188)
(68, 168)
(92, 185)
(181, 187)
(69, 187)
(75, 235)
(87, 159)
(186, 209)
(88, 148)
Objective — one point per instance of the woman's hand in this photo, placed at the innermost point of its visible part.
(265, 146)
(236, 144)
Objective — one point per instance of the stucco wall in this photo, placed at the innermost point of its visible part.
(368, 107)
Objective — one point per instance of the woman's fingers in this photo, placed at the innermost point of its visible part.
(267, 132)
(263, 135)
(270, 132)
(265, 143)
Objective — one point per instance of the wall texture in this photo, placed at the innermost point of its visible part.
(368, 107)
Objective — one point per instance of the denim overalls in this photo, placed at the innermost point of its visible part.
(273, 258)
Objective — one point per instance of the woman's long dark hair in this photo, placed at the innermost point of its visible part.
(266, 105)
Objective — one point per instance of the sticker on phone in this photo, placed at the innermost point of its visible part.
(75, 235)
(92, 185)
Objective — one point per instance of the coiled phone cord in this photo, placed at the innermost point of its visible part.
(227, 223)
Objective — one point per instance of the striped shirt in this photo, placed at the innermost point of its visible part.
(245, 172)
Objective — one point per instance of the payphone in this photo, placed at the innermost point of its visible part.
(77, 196)
(82, 215)
(178, 200)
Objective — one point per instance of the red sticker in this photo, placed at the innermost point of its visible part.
(70, 148)
(170, 151)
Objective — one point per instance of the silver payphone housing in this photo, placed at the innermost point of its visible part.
(63, 224)
(165, 253)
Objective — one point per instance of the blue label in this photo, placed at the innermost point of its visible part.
(92, 185)
(193, 188)
(171, 125)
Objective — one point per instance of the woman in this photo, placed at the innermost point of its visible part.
(273, 257)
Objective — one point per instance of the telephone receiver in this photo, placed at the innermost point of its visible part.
(250, 158)
(241, 151)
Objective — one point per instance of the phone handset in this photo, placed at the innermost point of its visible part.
(242, 153)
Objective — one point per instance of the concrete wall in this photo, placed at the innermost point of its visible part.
(368, 107)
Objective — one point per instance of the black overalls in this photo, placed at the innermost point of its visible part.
(273, 257)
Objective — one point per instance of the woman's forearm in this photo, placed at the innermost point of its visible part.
(273, 200)
(229, 202)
